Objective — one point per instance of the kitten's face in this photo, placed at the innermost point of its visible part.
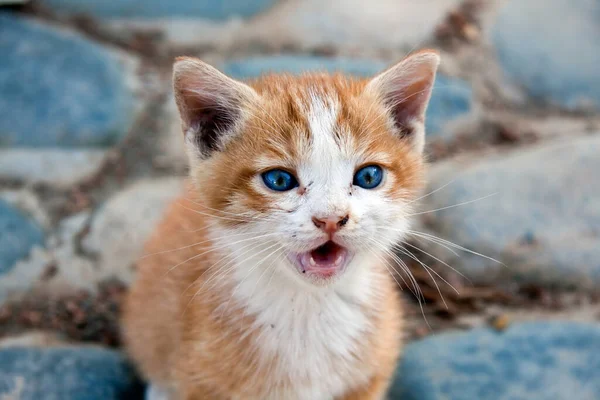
(312, 173)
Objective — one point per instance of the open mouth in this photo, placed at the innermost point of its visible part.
(324, 261)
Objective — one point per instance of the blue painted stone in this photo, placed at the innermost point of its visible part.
(208, 9)
(254, 67)
(67, 373)
(551, 49)
(542, 219)
(541, 361)
(18, 235)
(451, 97)
(58, 89)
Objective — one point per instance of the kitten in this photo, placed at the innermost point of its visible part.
(270, 278)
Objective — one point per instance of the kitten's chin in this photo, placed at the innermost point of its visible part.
(323, 263)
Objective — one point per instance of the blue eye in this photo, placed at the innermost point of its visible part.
(279, 180)
(368, 177)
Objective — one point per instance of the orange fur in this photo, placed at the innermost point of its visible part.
(183, 324)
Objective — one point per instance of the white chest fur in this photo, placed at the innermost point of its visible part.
(315, 335)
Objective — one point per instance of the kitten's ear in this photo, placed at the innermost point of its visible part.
(405, 89)
(211, 105)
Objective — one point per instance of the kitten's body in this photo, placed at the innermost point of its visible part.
(223, 311)
(291, 343)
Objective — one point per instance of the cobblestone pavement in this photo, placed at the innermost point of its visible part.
(90, 154)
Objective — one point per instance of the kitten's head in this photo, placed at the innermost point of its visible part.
(316, 170)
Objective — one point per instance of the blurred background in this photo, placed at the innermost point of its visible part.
(506, 246)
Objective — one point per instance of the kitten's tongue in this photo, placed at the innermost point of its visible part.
(325, 260)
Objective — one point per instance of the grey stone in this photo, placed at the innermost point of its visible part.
(536, 210)
(74, 373)
(550, 48)
(451, 98)
(121, 226)
(542, 361)
(296, 64)
(73, 270)
(390, 25)
(19, 235)
(33, 338)
(56, 167)
(59, 89)
(29, 203)
(348, 25)
(209, 9)
(88, 248)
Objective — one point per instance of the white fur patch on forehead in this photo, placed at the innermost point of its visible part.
(322, 115)
(328, 164)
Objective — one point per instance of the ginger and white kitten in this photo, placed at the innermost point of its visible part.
(269, 277)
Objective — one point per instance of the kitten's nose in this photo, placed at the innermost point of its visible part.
(330, 224)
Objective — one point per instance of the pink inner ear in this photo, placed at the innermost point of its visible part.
(197, 101)
(409, 104)
(406, 88)
(209, 102)
(202, 113)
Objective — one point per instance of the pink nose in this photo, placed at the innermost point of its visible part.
(330, 224)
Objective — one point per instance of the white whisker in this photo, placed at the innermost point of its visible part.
(215, 216)
(454, 205)
(224, 212)
(428, 269)
(417, 291)
(432, 192)
(437, 259)
(196, 244)
(439, 241)
(215, 248)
